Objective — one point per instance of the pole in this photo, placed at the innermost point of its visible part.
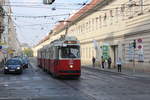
(134, 61)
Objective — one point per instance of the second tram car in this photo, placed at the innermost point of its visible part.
(61, 57)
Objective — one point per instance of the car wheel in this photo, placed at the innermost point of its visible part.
(20, 72)
(54, 75)
(5, 72)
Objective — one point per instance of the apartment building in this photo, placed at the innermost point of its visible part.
(8, 35)
(2, 13)
(123, 26)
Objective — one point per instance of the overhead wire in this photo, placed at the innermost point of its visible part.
(55, 4)
(16, 26)
(81, 12)
(39, 6)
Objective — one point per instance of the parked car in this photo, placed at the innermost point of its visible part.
(24, 61)
(13, 65)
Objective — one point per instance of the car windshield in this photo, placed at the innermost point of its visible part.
(13, 62)
(70, 52)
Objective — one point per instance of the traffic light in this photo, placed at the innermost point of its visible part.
(134, 43)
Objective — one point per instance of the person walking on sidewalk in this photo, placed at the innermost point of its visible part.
(102, 61)
(119, 64)
(93, 61)
(109, 62)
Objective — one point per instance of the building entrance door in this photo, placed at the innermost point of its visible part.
(114, 54)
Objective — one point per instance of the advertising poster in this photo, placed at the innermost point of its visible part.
(105, 51)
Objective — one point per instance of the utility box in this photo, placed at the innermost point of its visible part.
(48, 1)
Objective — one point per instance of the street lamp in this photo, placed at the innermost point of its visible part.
(48, 1)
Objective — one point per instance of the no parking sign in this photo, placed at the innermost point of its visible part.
(140, 49)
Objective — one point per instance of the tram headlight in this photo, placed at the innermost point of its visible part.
(71, 66)
(6, 67)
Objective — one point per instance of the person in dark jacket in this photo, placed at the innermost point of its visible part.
(93, 61)
(109, 62)
(102, 61)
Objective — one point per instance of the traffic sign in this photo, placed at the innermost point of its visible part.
(140, 40)
(48, 1)
(139, 46)
(105, 51)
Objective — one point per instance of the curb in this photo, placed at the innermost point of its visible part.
(1, 68)
(96, 68)
(120, 73)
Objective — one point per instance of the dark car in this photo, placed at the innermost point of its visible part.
(13, 65)
(25, 62)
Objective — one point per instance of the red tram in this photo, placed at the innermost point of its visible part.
(61, 57)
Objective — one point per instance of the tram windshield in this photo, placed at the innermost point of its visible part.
(70, 52)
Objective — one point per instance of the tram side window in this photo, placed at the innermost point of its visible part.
(47, 52)
(39, 54)
(56, 53)
(51, 53)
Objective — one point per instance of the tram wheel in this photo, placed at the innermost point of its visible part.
(54, 75)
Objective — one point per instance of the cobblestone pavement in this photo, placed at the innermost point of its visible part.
(34, 84)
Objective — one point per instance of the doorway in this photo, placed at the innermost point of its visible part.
(114, 49)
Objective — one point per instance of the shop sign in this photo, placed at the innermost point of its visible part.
(139, 40)
(105, 51)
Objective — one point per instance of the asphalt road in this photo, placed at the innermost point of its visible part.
(34, 84)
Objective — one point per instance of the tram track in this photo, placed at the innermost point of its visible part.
(89, 96)
(100, 74)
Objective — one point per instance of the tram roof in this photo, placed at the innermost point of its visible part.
(60, 41)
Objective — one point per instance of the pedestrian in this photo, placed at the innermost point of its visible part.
(109, 62)
(119, 64)
(93, 61)
(102, 61)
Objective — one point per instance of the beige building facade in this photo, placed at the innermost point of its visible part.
(115, 23)
(8, 38)
(1, 27)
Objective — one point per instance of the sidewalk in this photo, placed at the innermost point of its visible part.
(1, 68)
(128, 72)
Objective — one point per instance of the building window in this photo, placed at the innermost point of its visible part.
(116, 15)
(90, 25)
(123, 11)
(96, 21)
(111, 17)
(87, 25)
(93, 24)
(100, 21)
(104, 19)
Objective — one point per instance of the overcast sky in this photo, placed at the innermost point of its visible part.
(32, 29)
